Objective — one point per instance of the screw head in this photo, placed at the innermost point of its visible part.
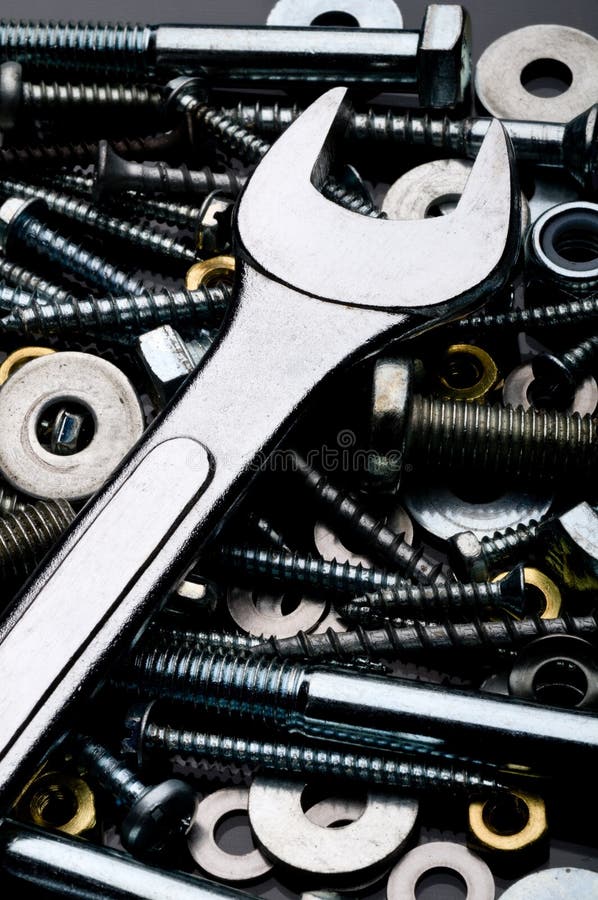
(11, 94)
(11, 210)
(161, 814)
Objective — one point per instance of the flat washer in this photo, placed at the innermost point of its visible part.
(367, 13)
(555, 884)
(517, 382)
(403, 879)
(208, 855)
(351, 851)
(498, 73)
(260, 614)
(80, 377)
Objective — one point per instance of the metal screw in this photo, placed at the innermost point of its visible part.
(115, 174)
(80, 211)
(27, 534)
(214, 640)
(148, 737)
(572, 312)
(10, 500)
(558, 375)
(572, 146)
(291, 568)
(480, 558)
(28, 314)
(346, 514)
(156, 814)
(391, 641)
(366, 709)
(19, 226)
(29, 281)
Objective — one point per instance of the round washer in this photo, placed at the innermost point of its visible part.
(403, 879)
(80, 377)
(499, 70)
(517, 382)
(555, 884)
(289, 836)
(330, 547)
(208, 855)
(261, 614)
(557, 655)
(441, 513)
(366, 13)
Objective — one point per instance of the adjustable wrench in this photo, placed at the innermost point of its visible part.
(317, 286)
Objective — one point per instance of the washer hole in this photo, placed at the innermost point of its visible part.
(353, 801)
(449, 881)
(560, 682)
(462, 370)
(478, 492)
(536, 599)
(577, 245)
(546, 77)
(442, 206)
(335, 19)
(233, 834)
(53, 805)
(65, 427)
(506, 815)
(283, 605)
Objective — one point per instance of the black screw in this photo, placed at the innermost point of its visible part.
(558, 375)
(570, 312)
(480, 558)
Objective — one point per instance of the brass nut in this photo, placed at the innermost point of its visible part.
(210, 272)
(524, 826)
(59, 801)
(469, 373)
(19, 358)
(546, 587)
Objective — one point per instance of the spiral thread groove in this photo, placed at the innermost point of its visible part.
(26, 536)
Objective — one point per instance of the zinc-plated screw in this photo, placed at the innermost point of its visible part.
(28, 281)
(140, 311)
(280, 565)
(18, 96)
(443, 598)
(572, 312)
(213, 640)
(266, 531)
(156, 814)
(558, 375)
(148, 738)
(391, 641)
(10, 500)
(115, 174)
(346, 514)
(480, 558)
(497, 440)
(80, 211)
(573, 146)
(20, 226)
(28, 533)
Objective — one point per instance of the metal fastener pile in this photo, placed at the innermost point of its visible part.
(298, 515)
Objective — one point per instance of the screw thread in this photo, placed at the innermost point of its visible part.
(149, 178)
(158, 739)
(130, 312)
(508, 441)
(22, 278)
(10, 501)
(63, 45)
(266, 531)
(95, 269)
(81, 211)
(295, 568)
(26, 535)
(69, 97)
(112, 774)
(569, 312)
(346, 514)
(212, 640)
(392, 640)
(265, 689)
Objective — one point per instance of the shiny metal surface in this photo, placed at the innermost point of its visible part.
(367, 13)
(518, 381)
(404, 878)
(555, 884)
(305, 303)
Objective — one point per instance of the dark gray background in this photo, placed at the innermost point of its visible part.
(490, 19)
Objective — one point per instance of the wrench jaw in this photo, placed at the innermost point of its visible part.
(285, 228)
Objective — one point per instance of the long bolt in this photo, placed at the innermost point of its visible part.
(20, 227)
(571, 312)
(407, 641)
(214, 640)
(443, 598)
(28, 314)
(558, 375)
(80, 211)
(572, 146)
(25, 280)
(365, 709)
(115, 174)
(27, 534)
(480, 558)
(254, 56)
(155, 815)
(346, 514)
(289, 568)
(149, 738)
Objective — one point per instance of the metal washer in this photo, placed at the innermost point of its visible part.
(498, 73)
(515, 388)
(367, 13)
(202, 844)
(403, 879)
(94, 383)
(555, 884)
(266, 619)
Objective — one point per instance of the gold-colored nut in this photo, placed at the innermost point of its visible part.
(545, 587)
(507, 823)
(469, 373)
(60, 801)
(17, 359)
(210, 272)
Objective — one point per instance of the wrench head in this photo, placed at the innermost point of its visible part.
(435, 268)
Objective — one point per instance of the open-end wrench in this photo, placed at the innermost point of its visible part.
(317, 286)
